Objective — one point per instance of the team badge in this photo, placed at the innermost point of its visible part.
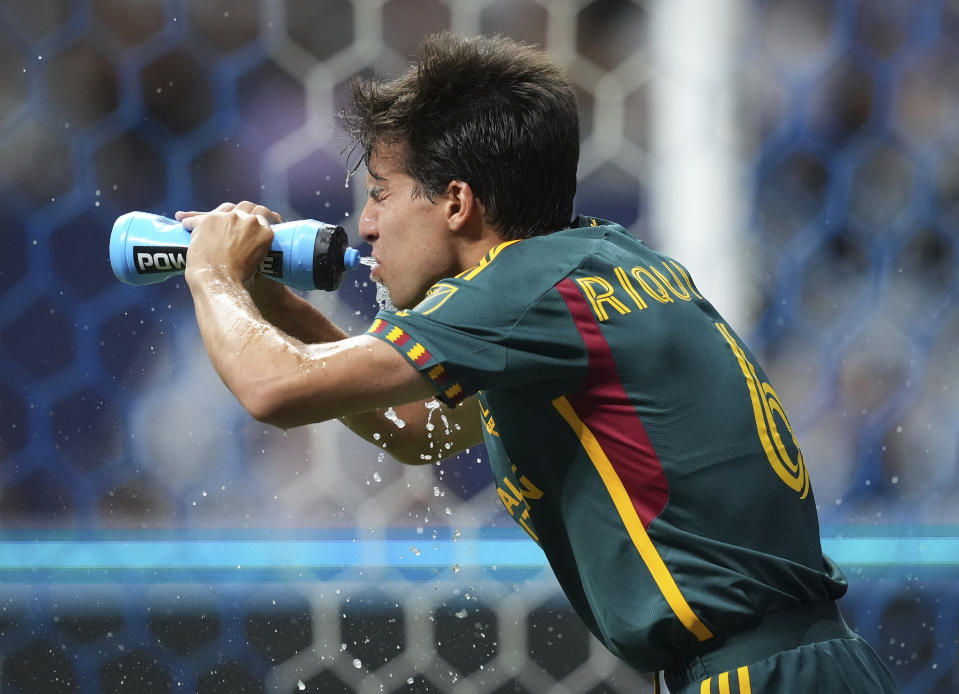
(435, 297)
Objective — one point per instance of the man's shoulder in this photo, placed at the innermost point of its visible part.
(551, 255)
(509, 279)
(515, 274)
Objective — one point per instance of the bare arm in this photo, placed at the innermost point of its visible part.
(309, 370)
(421, 432)
(415, 433)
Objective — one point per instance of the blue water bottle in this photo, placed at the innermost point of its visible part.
(146, 248)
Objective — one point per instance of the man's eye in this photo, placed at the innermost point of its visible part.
(375, 194)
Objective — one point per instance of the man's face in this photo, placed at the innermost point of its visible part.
(412, 244)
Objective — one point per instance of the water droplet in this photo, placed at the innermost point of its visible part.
(391, 415)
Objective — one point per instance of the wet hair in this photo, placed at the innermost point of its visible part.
(488, 111)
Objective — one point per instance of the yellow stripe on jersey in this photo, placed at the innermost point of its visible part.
(705, 686)
(489, 258)
(724, 683)
(744, 686)
(634, 526)
(395, 334)
(416, 351)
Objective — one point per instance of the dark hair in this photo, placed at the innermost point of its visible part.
(496, 114)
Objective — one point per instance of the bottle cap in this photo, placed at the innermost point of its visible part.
(351, 258)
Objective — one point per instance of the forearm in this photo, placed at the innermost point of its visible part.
(413, 434)
(420, 432)
(293, 314)
(244, 348)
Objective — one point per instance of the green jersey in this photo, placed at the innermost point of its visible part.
(631, 433)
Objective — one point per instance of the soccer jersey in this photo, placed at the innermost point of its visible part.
(631, 433)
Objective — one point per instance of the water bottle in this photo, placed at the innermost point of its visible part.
(147, 248)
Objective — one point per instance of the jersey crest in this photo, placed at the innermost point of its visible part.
(435, 297)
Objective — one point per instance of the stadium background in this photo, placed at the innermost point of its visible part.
(800, 156)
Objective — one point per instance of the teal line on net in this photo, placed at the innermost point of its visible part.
(131, 554)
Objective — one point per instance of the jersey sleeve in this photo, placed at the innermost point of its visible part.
(466, 336)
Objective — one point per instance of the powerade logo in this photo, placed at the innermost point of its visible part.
(149, 260)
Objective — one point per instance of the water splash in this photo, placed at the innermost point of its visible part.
(383, 298)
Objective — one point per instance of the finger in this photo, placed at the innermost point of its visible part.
(223, 207)
(259, 210)
(263, 210)
(259, 217)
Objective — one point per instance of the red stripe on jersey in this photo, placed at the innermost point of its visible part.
(603, 405)
(419, 354)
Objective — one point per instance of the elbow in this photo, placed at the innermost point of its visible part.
(262, 409)
(270, 405)
(264, 412)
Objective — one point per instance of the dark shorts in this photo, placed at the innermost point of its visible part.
(806, 649)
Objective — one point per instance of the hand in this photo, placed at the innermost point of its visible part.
(232, 239)
(189, 219)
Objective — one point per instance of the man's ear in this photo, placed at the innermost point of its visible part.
(462, 207)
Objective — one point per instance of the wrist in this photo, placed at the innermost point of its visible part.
(196, 275)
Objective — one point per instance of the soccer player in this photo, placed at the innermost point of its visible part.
(630, 430)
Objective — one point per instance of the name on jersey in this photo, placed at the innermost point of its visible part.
(633, 289)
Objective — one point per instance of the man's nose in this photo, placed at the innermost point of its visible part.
(367, 226)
